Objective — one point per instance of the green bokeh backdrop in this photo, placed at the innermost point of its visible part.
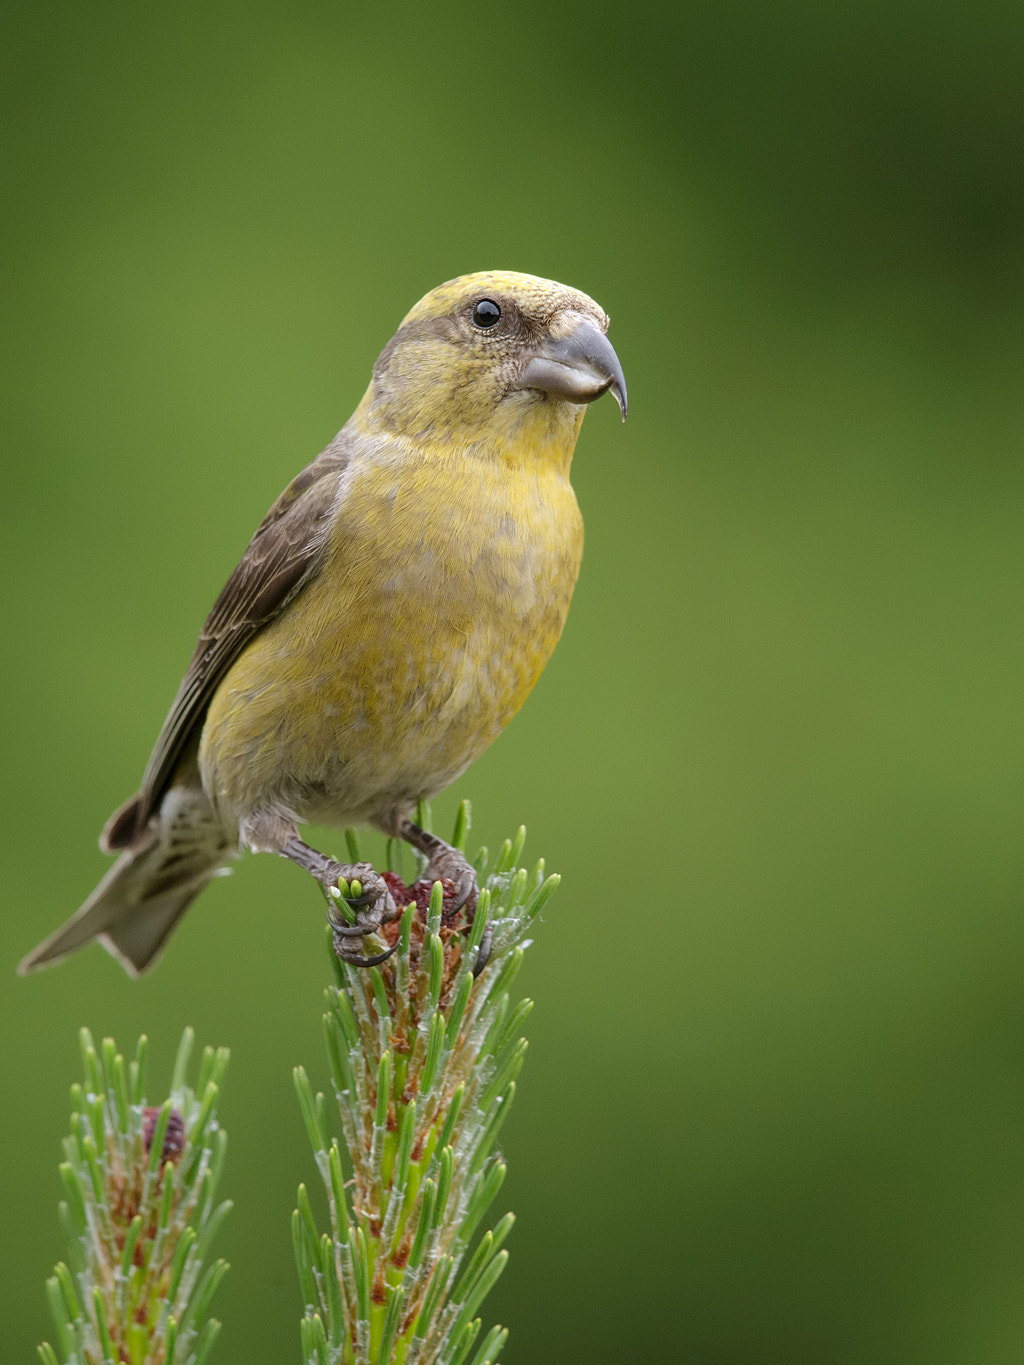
(774, 1106)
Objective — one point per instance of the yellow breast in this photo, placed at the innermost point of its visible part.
(443, 589)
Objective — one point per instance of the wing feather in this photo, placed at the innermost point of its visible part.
(280, 558)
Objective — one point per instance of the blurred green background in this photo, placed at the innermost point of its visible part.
(774, 1106)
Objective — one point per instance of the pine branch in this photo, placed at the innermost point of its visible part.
(140, 1214)
(424, 1054)
(424, 1051)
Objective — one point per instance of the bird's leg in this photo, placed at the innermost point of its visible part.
(444, 861)
(374, 905)
(450, 863)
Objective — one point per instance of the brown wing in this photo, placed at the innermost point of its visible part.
(279, 558)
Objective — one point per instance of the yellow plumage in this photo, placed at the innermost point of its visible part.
(436, 609)
(390, 616)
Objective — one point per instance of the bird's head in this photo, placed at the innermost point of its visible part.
(495, 360)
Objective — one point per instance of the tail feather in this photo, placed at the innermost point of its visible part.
(138, 903)
(137, 939)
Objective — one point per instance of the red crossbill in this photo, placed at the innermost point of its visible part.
(390, 616)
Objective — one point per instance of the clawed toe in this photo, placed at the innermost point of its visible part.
(465, 887)
(446, 863)
(358, 930)
(367, 923)
(483, 953)
(373, 906)
(354, 960)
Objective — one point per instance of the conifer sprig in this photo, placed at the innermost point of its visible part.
(424, 1051)
(140, 1214)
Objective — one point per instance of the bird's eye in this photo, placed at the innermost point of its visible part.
(486, 313)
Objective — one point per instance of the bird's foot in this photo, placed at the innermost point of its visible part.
(447, 863)
(362, 889)
(367, 894)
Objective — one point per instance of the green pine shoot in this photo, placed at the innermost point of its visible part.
(139, 1215)
(423, 1056)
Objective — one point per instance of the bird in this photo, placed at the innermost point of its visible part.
(390, 615)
